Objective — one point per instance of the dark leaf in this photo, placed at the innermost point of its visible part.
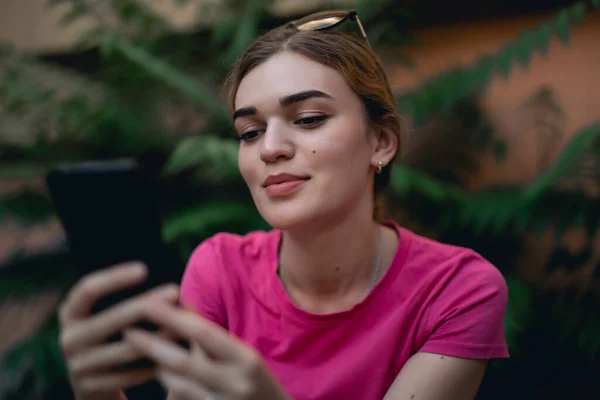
(208, 218)
(563, 26)
(28, 207)
(172, 77)
(578, 13)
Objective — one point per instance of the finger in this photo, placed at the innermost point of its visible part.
(97, 285)
(97, 329)
(114, 381)
(182, 388)
(174, 358)
(106, 357)
(212, 338)
(103, 357)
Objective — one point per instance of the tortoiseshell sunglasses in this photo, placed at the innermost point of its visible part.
(326, 20)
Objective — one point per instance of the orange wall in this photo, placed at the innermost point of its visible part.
(573, 74)
(572, 71)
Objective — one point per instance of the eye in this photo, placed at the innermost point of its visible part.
(311, 121)
(249, 135)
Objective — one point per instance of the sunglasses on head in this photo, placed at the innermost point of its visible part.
(326, 20)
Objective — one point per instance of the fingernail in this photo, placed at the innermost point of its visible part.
(137, 267)
(171, 289)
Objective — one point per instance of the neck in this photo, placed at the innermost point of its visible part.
(334, 258)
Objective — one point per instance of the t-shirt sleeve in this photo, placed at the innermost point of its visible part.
(467, 319)
(201, 285)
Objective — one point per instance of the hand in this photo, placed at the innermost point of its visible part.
(90, 359)
(217, 366)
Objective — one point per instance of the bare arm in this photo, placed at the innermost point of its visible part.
(428, 376)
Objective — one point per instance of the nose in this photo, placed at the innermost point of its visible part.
(276, 144)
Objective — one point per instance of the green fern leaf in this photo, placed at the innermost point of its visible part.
(504, 61)
(215, 157)
(518, 311)
(580, 143)
(578, 13)
(27, 207)
(542, 38)
(449, 86)
(221, 30)
(369, 9)
(246, 31)
(186, 85)
(498, 209)
(207, 218)
(563, 26)
(524, 48)
(43, 348)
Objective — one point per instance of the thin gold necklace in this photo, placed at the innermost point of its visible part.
(376, 270)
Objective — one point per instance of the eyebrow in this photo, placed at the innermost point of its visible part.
(301, 96)
(285, 101)
(244, 112)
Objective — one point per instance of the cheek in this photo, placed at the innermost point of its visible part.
(246, 166)
(349, 153)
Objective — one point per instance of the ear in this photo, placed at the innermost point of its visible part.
(385, 145)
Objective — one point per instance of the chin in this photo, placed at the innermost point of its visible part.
(300, 216)
(286, 220)
(290, 214)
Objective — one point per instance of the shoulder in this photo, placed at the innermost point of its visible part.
(218, 270)
(462, 297)
(224, 247)
(234, 258)
(443, 267)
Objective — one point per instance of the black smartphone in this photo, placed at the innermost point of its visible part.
(109, 211)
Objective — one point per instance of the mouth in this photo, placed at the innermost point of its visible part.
(283, 184)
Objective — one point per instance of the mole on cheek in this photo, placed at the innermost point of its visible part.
(314, 152)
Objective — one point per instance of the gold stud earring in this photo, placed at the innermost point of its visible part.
(380, 166)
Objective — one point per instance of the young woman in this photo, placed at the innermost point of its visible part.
(332, 303)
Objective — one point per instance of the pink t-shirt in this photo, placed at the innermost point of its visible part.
(434, 298)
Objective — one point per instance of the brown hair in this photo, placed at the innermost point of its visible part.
(350, 56)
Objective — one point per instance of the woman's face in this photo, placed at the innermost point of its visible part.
(305, 151)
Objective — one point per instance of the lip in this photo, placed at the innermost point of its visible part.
(275, 179)
(283, 184)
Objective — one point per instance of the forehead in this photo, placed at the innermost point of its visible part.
(286, 73)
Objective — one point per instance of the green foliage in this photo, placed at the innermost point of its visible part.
(185, 85)
(582, 324)
(584, 141)
(215, 159)
(384, 20)
(86, 118)
(442, 91)
(27, 207)
(235, 32)
(518, 310)
(44, 352)
(496, 209)
(207, 218)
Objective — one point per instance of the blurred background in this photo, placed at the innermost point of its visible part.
(502, 110)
